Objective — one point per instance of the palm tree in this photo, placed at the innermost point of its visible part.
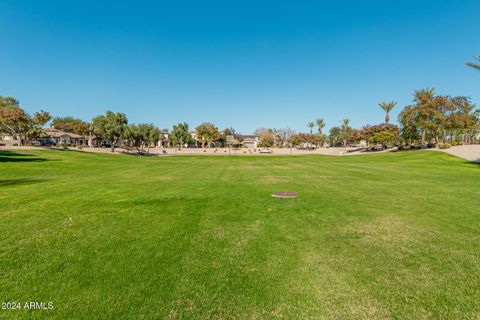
(345, 129)
(474, 65)
(320, 125)
(387, 107)
(310, 125)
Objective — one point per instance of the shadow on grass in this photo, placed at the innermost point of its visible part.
(11, 156)
(475, 163)
(16, 182)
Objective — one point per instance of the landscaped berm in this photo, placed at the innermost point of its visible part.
(104, 236)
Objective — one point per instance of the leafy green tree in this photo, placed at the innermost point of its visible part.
(180, 135)
(335, 136)
(423, 100)
(71, 125)
(474, 65)
(408, 119)
(112, 126)
(383, 138)
(382, 134)
(387, 107)
(462, 119)
(431, 115)
(207, 133)
(143, 135)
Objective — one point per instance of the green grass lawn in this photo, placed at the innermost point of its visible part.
(121, 237)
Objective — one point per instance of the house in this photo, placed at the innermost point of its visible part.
(250, 141)
(164, 141)
(8, 140)
(58, 137)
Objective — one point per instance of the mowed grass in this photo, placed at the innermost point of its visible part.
(120, 237)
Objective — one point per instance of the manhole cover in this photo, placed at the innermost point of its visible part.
(284, 194)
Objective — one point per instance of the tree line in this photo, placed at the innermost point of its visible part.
(430, 120)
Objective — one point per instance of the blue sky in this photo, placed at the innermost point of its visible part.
(245, 64)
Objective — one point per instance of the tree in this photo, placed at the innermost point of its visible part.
(461, 119)
(37, 122)
(237, 137)
(41, 118)
(423, 100)
(438, 118)
(110, 126)
(142, 135)
(387, 107)
(431, 113)
(207, 132)
(474, 65)
(16, 122)
(282, 136)
(297, 139)
(383, 137)
(345, 131)
(180, 135)
(266, 136)
(13, 119)
(320, 125)
(408, 119)
(71, 125)
(382, 134)
(335, 134)
(310, 126)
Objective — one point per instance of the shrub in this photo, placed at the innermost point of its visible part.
(445, 145)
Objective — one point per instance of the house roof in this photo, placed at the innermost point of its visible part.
(54, 133)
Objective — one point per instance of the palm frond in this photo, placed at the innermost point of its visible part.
(474, 65)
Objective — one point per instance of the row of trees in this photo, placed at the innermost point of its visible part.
(18, 123)
(430, 120)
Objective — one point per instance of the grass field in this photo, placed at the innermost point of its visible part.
(114, 237)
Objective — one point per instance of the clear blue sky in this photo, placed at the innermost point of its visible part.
(245, 64)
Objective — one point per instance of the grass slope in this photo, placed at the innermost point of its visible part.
(117, 237)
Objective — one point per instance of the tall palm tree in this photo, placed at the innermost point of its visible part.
(387, 107)
(474, 65)
(345, 130)
(310, 125)
(320, 125)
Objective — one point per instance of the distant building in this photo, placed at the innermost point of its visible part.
(164, 141)
(250, 141)
(8, 140)
(58, 137)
